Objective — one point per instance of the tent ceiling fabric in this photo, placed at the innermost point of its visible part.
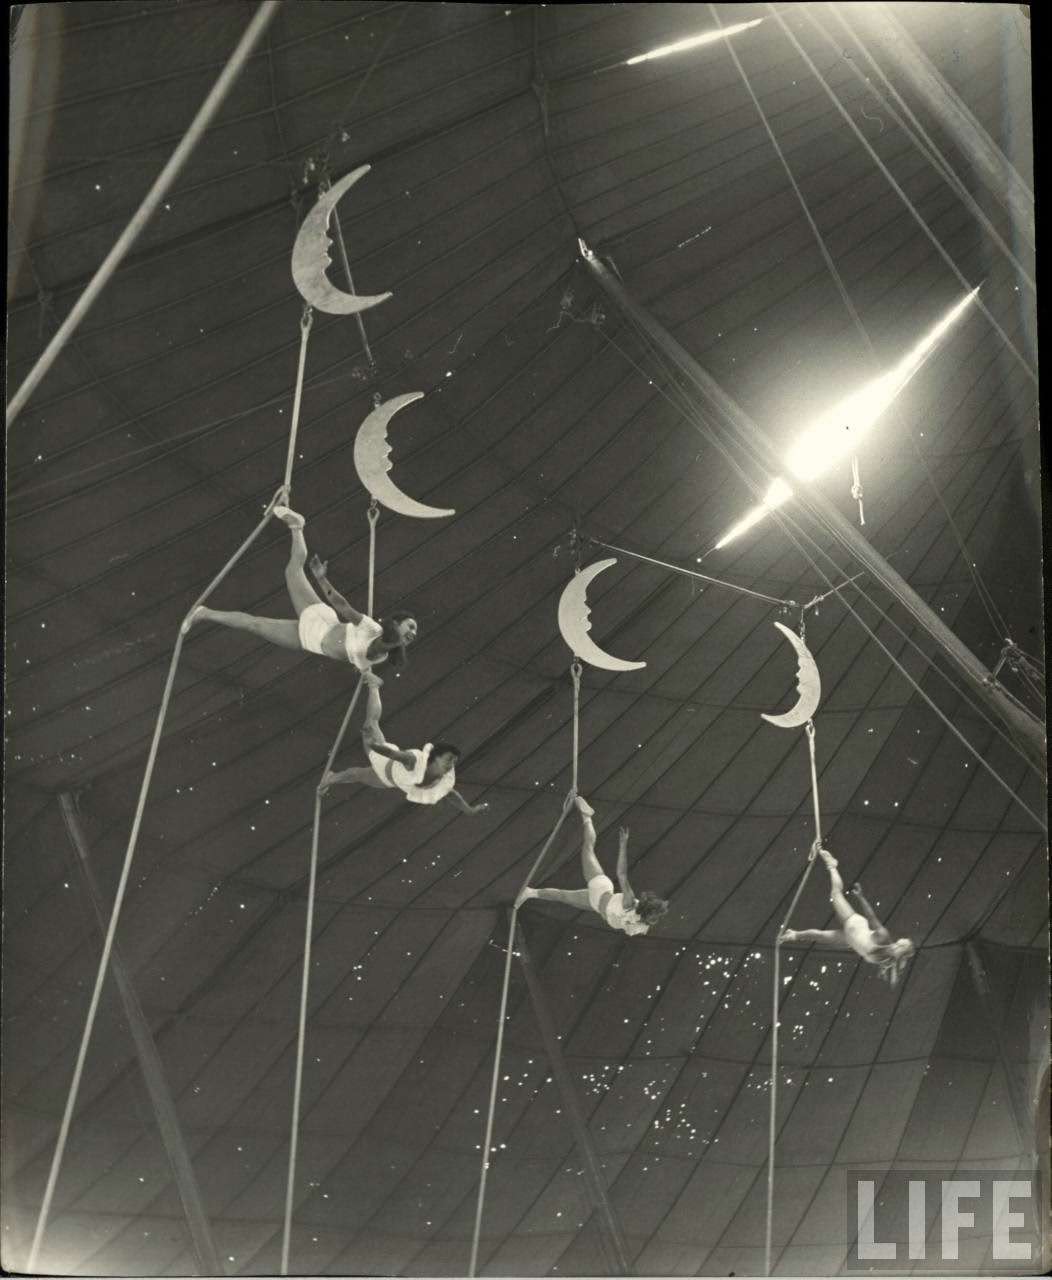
(496, 139)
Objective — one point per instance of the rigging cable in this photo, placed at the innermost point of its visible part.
(692, 573)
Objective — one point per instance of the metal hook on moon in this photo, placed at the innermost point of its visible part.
(311, 259)
(574, 621)
(372, 461)
(808, 685)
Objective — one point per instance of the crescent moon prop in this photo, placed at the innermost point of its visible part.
(310, 256)
(574, 615)
(372, 461)
(808, 685)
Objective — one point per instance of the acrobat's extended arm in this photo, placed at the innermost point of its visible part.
(456, 798)
(628, 898)
(344, 610)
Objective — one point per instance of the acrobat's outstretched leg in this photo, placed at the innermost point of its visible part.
(277, 631)
(301, 593)
(590, 865)
(364, 775)
(844, 910)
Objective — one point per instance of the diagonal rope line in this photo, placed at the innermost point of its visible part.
(692, 573)
(122, 886)
(187, 143)
(501, 1019)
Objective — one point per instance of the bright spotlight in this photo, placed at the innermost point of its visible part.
(692, 42)
(774, 497)
(839, 432)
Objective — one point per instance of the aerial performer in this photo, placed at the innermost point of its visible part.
(334, 630)
(862, 933)
(631, 913)
(424, 775)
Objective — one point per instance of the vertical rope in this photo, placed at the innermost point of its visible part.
(372, 515)
(308, 939)
(772, 1119)
(306, 321)
(488, 1138)
(810, 730)
(122, 885)
(776, 996)
(575, 673)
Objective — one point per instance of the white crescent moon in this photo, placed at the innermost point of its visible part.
(310, 256)
(808, 685)
(574, 615)
(372, 460)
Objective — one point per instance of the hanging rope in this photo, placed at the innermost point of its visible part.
(575, 675)
(372, 515)
(107, 949)
(776, 995)
(306, 321)
(531, 875)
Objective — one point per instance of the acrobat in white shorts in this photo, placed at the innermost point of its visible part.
(315, 623)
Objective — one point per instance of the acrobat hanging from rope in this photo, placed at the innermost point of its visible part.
(335, 630)
(632, 913)
(424, 775)
(862, 933)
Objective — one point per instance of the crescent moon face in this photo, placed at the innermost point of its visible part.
(574, 621)
(808, 685)
(310, 256)
(372, 461)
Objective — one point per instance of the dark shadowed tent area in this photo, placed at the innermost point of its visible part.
(795, 204)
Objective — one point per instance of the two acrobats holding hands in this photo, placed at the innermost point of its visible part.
(333, 628)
